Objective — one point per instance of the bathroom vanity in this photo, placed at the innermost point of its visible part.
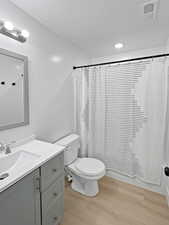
(36, 196)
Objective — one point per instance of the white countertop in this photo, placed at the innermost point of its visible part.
(45, 152)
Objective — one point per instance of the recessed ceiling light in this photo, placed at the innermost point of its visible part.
(8, 25)
(118, 45)
(56, 59)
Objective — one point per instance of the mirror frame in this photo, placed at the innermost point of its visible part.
(26, 89)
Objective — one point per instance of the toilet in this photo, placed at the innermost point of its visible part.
(85, 172)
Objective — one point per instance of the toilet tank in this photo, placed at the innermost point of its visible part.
(72, 144)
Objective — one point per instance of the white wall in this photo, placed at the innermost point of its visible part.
(50, 83)
(166, 159)
(166, 154)
(167, 46)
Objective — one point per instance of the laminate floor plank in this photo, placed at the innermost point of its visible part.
(117, 203)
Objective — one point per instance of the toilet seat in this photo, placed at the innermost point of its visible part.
(90, 166)
(85, 174)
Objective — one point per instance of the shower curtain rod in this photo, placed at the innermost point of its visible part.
(121, 61)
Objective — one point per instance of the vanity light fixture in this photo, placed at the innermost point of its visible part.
(8, 29)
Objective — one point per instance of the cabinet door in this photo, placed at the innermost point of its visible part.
(51, 170)
(53, 215)
(52, 193)
(20, 204)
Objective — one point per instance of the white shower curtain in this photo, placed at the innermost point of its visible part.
(120, 115)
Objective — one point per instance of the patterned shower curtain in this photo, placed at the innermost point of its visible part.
(120, 116)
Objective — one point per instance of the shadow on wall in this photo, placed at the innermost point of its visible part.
(58, 114)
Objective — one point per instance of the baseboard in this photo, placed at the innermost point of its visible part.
(136, 182)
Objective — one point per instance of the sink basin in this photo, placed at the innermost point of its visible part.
(16, 161)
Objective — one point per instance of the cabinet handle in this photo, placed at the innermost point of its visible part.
(55, 218)
(55, 194)
(54, 170)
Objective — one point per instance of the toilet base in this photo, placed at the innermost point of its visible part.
(84, 186)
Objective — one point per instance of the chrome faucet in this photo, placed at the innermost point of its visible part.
(5, 148)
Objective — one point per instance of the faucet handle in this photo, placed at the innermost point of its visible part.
(2, 147)
(7, 149)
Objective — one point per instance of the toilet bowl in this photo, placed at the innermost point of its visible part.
(85, 172)
(85, 175)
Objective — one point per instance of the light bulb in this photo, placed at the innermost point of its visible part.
(8, 25)
(118, 45)
(25, 33)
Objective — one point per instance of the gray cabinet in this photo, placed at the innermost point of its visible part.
(37, 199)
(20, 204)
(52, 189)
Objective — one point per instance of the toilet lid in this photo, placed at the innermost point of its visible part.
(90, 166)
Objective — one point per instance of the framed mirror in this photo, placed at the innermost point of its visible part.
(14, 96)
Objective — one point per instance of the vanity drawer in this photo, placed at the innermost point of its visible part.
(51, 170)
(53, 193)
(54, 214)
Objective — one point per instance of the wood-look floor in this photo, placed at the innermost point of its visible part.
(118, 203)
